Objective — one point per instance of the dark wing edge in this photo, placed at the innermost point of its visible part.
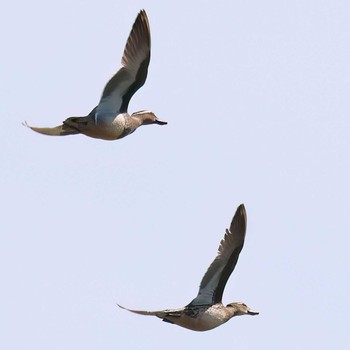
(139, 37)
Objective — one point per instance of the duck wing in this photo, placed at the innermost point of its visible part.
(215, 279)
(161, 314)
(122, 86)
(60, 130)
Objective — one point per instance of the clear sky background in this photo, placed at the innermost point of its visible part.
(256, 94)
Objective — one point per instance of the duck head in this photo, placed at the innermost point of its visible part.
(148, 117)
(239, 309)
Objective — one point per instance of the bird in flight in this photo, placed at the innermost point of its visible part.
(206, 311)
(109, 120)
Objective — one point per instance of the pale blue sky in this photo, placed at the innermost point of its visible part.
(256, 94)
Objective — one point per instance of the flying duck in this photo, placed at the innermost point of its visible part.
(109, 120)
(206, 311)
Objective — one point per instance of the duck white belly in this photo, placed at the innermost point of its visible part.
(107, 128)
(203, 321)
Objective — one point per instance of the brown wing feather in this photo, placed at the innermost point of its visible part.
(60, 130)
(161, 314)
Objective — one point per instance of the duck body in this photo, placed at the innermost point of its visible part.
(109, 120)
(199, 318)
(107, 128)
(206, 310)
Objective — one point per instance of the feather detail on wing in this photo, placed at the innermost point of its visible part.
(215, 279)
(61, 130)
(161, 314)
